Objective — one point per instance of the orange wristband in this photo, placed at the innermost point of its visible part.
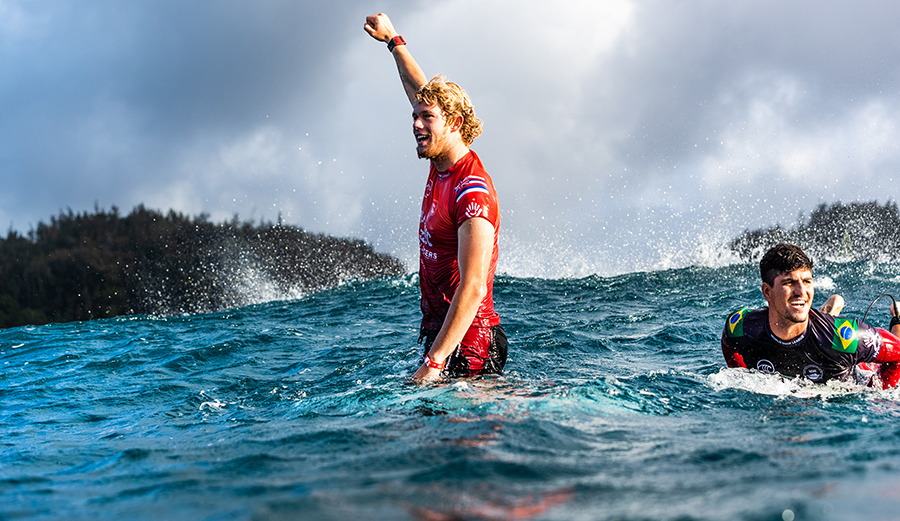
(434, 365)
(395, 41)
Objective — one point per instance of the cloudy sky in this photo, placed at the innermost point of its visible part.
(621, 135)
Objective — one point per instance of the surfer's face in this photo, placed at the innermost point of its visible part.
(790, 296)
(431, 131)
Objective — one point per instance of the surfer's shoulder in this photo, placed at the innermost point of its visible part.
(744, 320)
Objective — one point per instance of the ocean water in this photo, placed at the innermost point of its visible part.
(615, 405)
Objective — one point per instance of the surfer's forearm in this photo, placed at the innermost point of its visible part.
(463, 309)
(833, 306)
(460, 316)
(476, 244)
(412, 76)
(456, 323)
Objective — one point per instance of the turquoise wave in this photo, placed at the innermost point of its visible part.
(615, 406)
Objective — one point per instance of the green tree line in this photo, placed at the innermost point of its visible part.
(838, 231)
(83, 266)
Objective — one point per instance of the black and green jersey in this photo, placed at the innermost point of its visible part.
(828, 349)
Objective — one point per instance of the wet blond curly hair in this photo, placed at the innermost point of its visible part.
(454, 102)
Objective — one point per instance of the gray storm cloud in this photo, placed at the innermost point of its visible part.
(621, 135)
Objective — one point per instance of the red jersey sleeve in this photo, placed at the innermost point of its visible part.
(474, 195)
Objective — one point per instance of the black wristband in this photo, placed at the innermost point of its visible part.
(395, 41)
(894, 321)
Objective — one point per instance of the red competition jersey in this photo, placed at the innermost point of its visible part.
(462, 192)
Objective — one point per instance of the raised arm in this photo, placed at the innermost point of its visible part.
(379, 26)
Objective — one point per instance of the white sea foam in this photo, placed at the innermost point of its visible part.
(824, 282)
(777, 385)
(559, 258)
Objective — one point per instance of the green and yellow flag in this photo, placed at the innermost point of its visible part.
(845, 338)
(736, 323)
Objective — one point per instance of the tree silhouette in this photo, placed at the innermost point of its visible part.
(98, 265)
(844, 232)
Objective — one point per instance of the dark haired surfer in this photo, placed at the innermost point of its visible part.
(790, 338)
(458, 227)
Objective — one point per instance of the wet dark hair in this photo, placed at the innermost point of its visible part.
(782, 258)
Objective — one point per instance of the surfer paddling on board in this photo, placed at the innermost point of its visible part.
(790, 338)
(458, 228)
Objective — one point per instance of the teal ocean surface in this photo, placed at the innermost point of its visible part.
(615, 405)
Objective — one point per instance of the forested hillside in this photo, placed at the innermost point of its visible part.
(838, 231)
(97, 265)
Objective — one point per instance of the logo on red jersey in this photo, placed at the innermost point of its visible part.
(473, 209)
(425, 236)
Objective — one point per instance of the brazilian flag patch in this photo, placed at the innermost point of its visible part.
(845, 338)
(735, 325)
